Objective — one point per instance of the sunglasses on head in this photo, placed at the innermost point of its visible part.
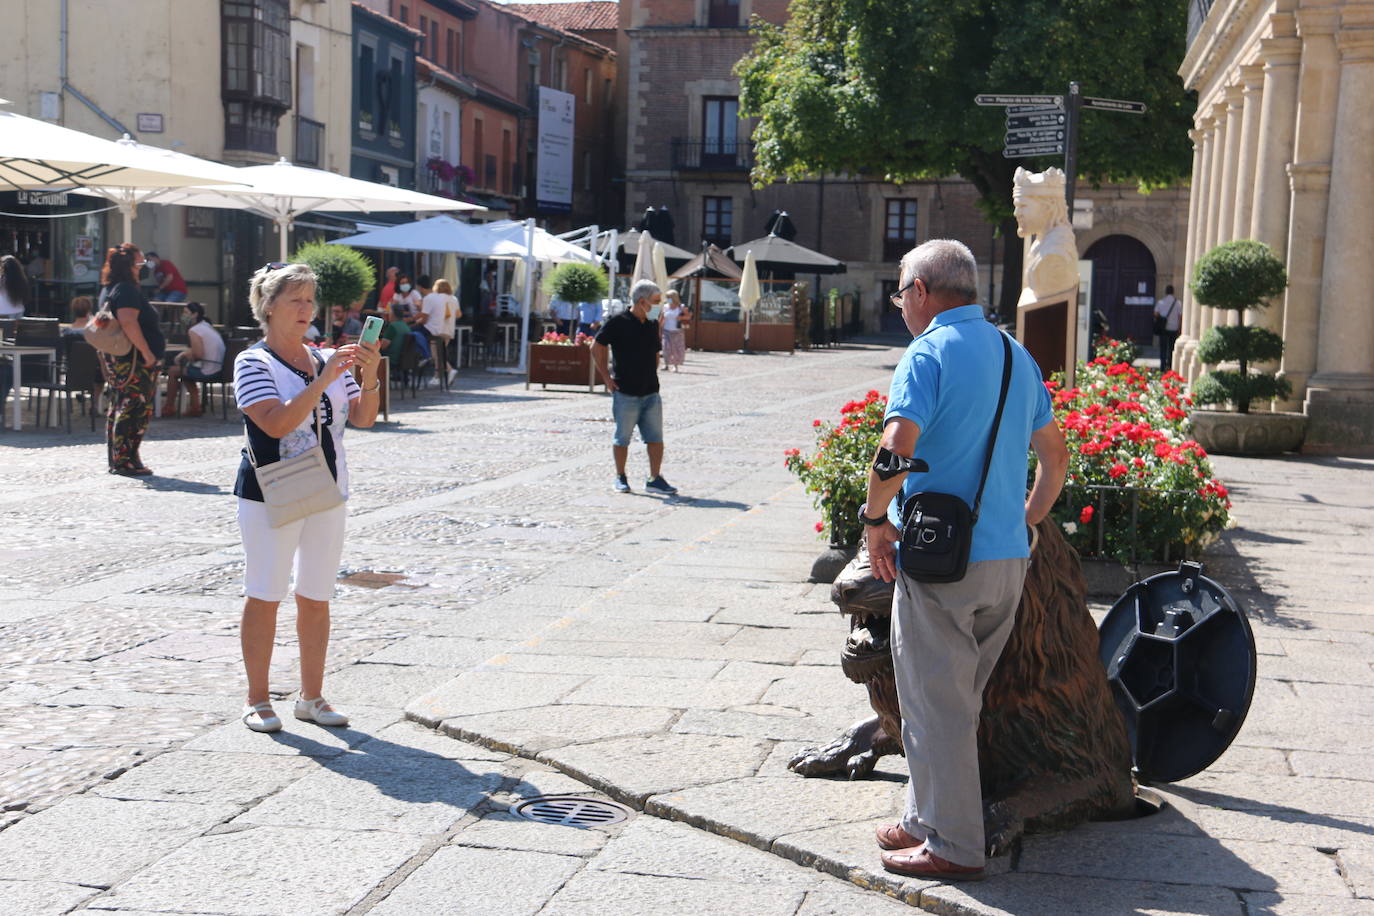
(274, 265)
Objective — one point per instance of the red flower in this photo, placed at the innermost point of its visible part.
(820, 526)
(1086, 515)
(1117, 470)
(815, 422)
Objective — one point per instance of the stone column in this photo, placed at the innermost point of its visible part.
(1199, 230)
(1340, 396)
(1229, 169)
(1252, 85)
(1310, 179)
(1278, 114)
(1215, 180)
(1197, 197)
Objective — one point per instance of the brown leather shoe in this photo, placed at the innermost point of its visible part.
(925, 864)
(892, 836)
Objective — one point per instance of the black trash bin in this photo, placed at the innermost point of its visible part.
(1180, 658)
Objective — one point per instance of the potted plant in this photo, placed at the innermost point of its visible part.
(345, 275)
(556, 359)
(1239, 276)
(836, 476)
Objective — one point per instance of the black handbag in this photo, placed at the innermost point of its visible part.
(937, 528)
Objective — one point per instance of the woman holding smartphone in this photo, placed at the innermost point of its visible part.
(287, 391)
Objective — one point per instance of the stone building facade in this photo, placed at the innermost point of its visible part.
(1284, 153)
(685, 148)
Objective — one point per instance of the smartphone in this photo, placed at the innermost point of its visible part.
(372, 329)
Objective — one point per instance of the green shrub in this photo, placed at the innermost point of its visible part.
(345, 274)
(577, 281)
(1238, 276)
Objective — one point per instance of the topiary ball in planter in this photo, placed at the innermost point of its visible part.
(344, 274)
(1239, 276)
(577, 281)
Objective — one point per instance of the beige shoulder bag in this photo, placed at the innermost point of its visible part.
(294, 488)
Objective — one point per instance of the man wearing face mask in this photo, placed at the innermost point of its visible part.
(632, 337)
(171, 286)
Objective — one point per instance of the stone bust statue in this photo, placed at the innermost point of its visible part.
(1051, 269)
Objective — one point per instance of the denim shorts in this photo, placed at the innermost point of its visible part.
(645, 412)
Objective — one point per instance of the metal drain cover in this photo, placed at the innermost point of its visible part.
(571, 810)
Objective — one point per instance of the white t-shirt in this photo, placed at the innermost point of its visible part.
(670, 317)
(1168, 307)
(441, 311)
(211, 344)
(260, 376)
(8, 309)
(411, 300)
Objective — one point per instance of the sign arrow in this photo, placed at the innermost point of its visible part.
(995, 101)
(1029, 150)
(1113, 105)
(1051, 118)
(1035, 135)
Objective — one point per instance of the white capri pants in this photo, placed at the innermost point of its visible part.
(313, 546)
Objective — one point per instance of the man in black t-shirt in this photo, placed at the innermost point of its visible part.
(632, 337)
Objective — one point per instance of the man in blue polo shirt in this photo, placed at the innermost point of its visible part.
(947, 637)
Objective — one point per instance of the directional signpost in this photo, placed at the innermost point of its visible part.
(1047, 125)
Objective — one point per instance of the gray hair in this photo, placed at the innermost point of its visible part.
(267, 284)
(944, 266)
(643, 289)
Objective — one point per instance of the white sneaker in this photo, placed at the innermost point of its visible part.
(315, 711)
(452, 374)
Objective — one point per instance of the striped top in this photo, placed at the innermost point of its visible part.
(261, 375)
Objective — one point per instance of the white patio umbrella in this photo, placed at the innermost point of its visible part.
(644, 260)
(128, 197)
(514, 240)
(437, 233)
(749, 294)
(36, 154)
(282, 191)
(660, 267)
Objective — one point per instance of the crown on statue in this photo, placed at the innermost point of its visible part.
(1047, 183)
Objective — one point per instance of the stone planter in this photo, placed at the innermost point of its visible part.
(1223, 432)
(560, 364)
(831, 563)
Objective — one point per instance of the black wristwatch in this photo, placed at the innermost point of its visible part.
(870, 522)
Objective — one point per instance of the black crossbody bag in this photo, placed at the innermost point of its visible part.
(937, 528)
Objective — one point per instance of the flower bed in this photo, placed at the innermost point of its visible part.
(1138, 488)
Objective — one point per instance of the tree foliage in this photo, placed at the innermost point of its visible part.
(576, 281)
(886, 87)
(1238, 276)
(345, 274)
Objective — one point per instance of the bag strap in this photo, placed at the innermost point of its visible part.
(996, 422)
(319, 437)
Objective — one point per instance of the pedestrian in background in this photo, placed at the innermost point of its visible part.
(632, 338)
(947, 636)
(131, 378)
(14, 292)
(674, 337)
(80, 307)
(288, 392)
(1168, 320)
(442, 312)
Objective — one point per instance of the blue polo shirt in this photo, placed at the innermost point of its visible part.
(947, 384)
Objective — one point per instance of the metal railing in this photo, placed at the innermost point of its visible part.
(1107, 501)
(309, 141)
(697, 154)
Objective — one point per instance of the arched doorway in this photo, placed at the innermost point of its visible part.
(1123, 286)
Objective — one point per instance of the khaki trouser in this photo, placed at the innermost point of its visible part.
(946, 638)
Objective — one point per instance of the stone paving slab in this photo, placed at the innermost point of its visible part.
(266, 871)
(515, 882)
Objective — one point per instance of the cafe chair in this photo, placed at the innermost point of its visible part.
(81, 375)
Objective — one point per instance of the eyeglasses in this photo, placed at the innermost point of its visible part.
(274, 265)
(896, 298)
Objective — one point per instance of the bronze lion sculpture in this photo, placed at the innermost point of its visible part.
(1052, 747)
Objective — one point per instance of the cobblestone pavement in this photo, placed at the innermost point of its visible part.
(507, 626)
(120, 675)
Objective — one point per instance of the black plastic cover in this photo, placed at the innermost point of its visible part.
(1180, 659)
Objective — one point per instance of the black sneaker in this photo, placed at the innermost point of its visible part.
(659, 485)
(621, 484)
